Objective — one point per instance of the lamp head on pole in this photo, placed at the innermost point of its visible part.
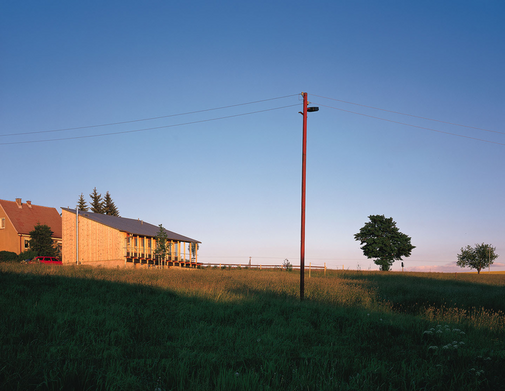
(311, 109)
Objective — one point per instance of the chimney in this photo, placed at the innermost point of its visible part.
(18, 202)
(29, 203)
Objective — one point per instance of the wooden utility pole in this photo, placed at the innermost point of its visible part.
(304, 161)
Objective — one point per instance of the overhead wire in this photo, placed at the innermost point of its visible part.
(409, 115)
(406, 124)
(149, 119)
(147, 129)
(242, 114)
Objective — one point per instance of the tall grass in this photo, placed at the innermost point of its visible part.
(212, 329)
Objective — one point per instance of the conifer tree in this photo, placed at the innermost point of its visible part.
(41, 241)
(108, 206)
(81, 204)
(96, 202)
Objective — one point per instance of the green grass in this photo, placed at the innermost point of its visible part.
(68, 328)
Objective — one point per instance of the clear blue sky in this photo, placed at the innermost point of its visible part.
(234, 183)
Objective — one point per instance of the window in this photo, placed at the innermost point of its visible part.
(149, 242)
(2, 223)
(27, 244)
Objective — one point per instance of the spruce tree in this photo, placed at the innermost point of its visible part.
(96, 202)
(41, 241)
(81, 204)
(108, 206)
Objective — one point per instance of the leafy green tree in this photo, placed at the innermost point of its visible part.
(161, 244)
(96, 202)
(41, 241)
(81, 204)
(108, 206)
(382, 240)
(478, 257)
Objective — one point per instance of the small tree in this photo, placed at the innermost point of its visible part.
(41, 241)
(478, 257)
(287, 265)
(161, 243)
(96, 202)
(192, 247)
(108, 206)
(382, 240)
(81, 204)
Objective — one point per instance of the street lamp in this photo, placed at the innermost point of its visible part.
(304, 159)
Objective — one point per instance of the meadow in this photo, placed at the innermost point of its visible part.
(80, 328)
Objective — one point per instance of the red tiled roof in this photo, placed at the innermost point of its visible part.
(26, 218)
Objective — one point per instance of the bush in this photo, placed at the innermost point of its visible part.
(287, 265)
(8, 256)
(27, 255)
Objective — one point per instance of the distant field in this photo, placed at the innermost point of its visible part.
(81, 328)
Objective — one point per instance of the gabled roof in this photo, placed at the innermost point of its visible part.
(25, 216)
(131, 226)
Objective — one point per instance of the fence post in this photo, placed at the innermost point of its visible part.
(325, 269)
(310, 268)
(343, 267)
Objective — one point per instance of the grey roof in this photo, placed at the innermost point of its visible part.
(132, 226)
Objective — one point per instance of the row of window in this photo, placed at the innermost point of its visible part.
(142, 241)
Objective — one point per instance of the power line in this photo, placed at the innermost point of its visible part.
(414, 126)
(146, 129)
(149, 119)
(410, 115)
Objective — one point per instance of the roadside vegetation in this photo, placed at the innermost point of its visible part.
(79, 328)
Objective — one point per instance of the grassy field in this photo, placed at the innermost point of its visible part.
(78, 328)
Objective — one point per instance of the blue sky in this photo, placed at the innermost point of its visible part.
(234, 183)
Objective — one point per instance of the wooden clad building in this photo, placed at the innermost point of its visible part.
(18, 219)
(117, 241)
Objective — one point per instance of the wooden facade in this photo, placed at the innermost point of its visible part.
(118, 242)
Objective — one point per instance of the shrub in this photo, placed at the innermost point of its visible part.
(27, 255)
(8, 256)
(287, 265)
